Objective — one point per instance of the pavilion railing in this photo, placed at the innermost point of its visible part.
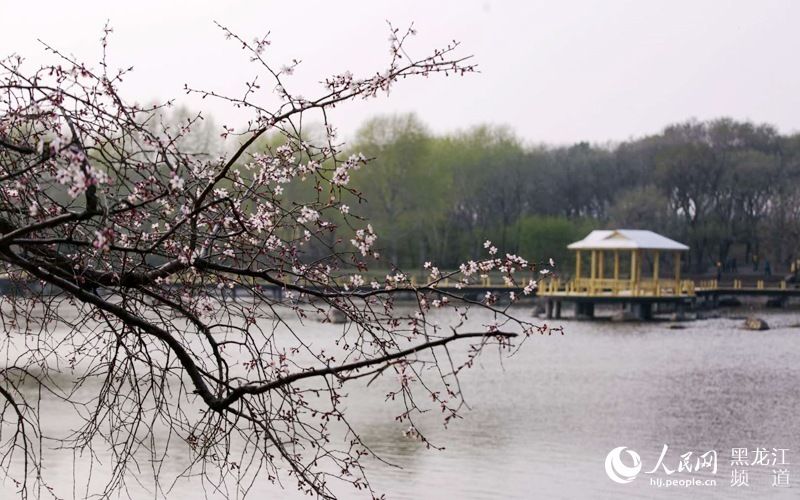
(619, 287)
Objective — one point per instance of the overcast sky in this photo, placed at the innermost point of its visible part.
(555, 71)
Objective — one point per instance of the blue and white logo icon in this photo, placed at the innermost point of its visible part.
(620, 472)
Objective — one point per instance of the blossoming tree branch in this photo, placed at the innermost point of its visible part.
(152, 282)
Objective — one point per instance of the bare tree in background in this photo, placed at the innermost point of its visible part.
(150, 282)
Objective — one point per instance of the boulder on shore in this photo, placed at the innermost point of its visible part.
(753, 323)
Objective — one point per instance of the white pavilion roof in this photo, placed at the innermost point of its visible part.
(626, 239)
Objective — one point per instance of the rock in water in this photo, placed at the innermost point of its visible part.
(336, 316)
(752, 323)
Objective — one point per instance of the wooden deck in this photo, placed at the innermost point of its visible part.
(664, 288)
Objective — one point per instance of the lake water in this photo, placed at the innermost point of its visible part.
(542, 422)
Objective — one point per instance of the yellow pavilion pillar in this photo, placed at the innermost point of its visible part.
(639, 260)
(656, 258)
(601, 259)
(677, 273)
(593, 274)
(634, 277)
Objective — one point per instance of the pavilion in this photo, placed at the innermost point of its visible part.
(622, 266)
(625, 251)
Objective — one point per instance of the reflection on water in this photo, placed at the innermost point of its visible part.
(542, 422)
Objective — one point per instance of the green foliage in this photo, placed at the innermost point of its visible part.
(728, 189)
(641, 207)
(545, 237)
(408, 190)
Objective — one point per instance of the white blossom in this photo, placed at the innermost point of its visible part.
(176, 183)
(307, 214)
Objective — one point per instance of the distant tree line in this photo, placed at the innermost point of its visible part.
(728, 189)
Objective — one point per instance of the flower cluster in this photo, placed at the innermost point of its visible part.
(77, 174)
(307, 215)
(103, 239)
(364, 240)
(341, 176)
(261, 220)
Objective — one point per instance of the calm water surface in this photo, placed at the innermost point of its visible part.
(542, 422)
